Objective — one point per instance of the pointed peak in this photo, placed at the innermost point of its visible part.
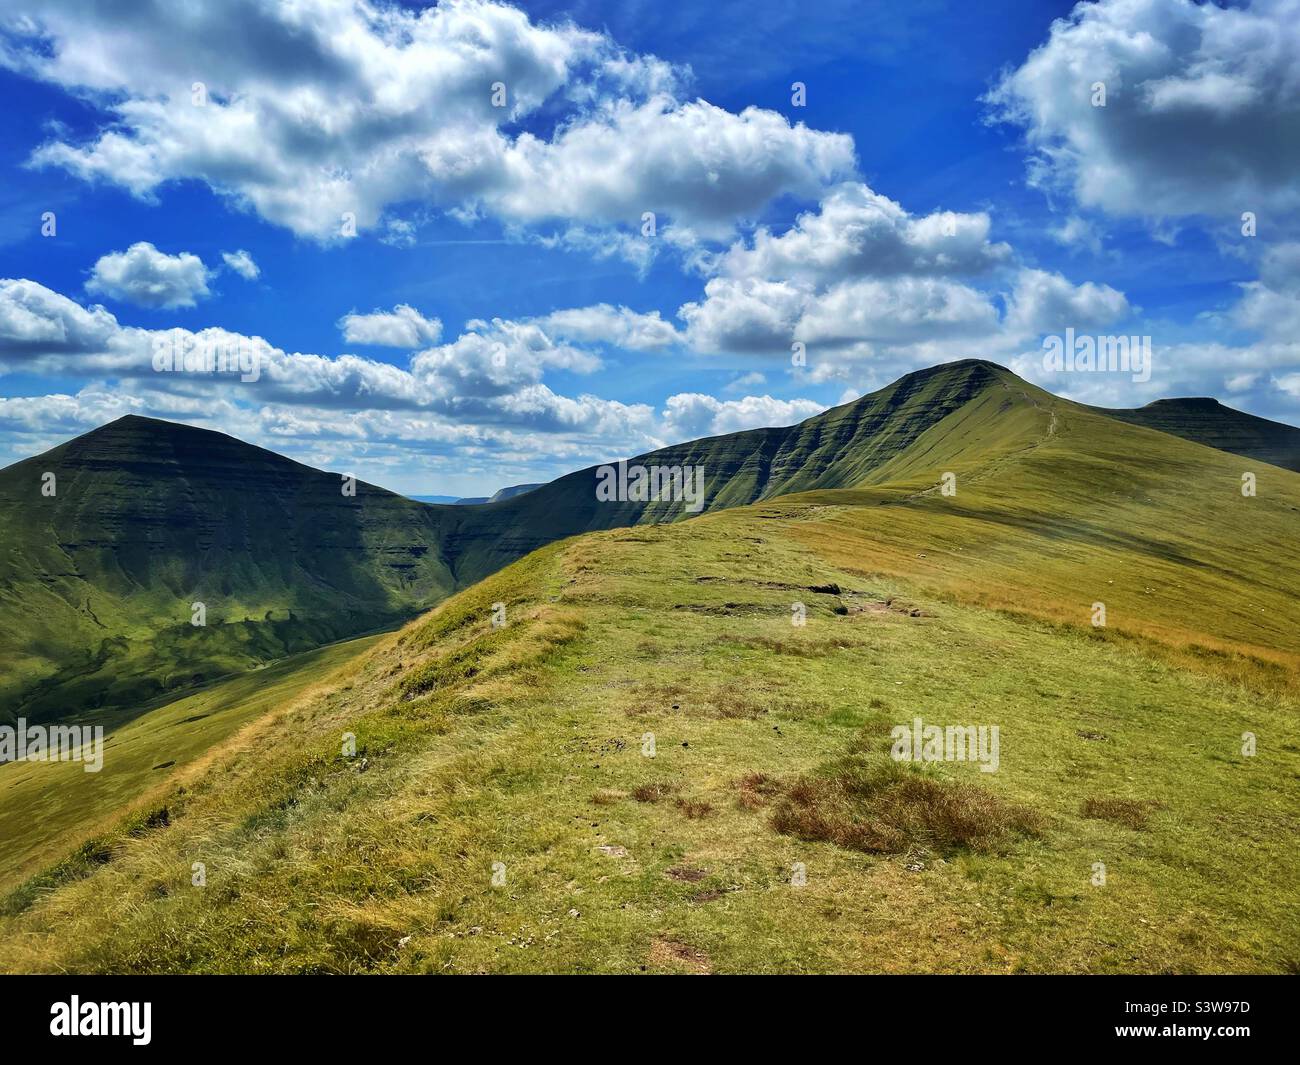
(959, 370)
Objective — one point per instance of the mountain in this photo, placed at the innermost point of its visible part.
(98, 582)
(512, 491)
(852, 444)
(495, 497)
(677, 749)
(1207, 421)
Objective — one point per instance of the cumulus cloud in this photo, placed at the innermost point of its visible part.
(1043, 302)
(147, 277)
(904, 320)
(897, 311)
(615, 326)
(858, 276)
(492, 374)
(1196, 97)
(35, 320)
(309, 112)
(745, 315)
(241, 263)
(856, 232)
(1271, 305)
(688, 415)
(402, 327)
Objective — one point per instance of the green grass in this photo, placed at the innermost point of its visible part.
(47, 808)
(527, 750)
(521, 750)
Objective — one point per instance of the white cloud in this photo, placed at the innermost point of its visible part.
(856, 232)
(321, 108)
(1271, 305)
(746, 315)
(859, 277)
(147, 277)
(402, 327)
(35, 320)
(689, 415)
(1290, 384)
(1197, 95)
(694, 163)
(242, 263)
(919, 319)
(897, 311)
(1076, 232)
(746, 381)
(1043, 302)
(616, 326)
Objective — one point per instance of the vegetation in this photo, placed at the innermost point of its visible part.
(502, 813)
(98, 581)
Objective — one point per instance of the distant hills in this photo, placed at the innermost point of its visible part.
(99, 581)
(495, 497)
(1209, 422)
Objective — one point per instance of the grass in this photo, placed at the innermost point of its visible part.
(523, 753)
(651, 769)
(49, 807)
(885, 807)
(1131, 813)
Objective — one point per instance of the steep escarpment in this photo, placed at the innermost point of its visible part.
(1209, 422)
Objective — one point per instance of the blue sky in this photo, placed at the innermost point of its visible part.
(950, 187)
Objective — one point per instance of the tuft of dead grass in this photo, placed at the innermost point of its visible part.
(607, 796)
(756, 789)
(695, 809)
(885, 807)
(655, 792)
(674, 954)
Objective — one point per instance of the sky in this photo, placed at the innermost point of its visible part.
(452, 247)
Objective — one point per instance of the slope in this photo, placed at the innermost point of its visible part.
(97, 583)
(1125, 829)
(1207, 421)
(51, 809)
(98, 580)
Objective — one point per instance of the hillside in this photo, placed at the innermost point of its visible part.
(97, 583)
(149, 517)
(501, 813)
(512, 490)
(1207, 421)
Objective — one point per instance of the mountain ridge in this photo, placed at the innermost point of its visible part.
(150, 516)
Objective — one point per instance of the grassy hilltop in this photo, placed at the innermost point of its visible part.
(524, 745)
